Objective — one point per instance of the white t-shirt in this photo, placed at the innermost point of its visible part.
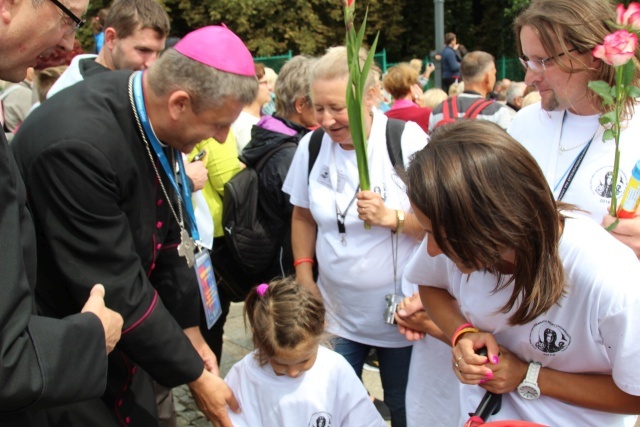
(433, 390)
(71, 75)
(330, 390)
(242, 129)
(355, 277)
(594, 329)
(543, 133)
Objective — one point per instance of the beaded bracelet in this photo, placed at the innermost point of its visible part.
(464, 328)
(303, 260)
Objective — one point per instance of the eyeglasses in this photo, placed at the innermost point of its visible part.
(78, 21)
(538, 64)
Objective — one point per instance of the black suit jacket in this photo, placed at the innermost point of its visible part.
(43, 361)
(101, 217)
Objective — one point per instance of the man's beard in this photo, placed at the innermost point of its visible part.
(550, 104)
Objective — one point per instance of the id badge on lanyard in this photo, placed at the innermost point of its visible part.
(208, 287)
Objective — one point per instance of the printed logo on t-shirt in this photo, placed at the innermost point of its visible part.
(320, 419)
(603, 187)
(381, 190)
(324, 178)
(549, 338)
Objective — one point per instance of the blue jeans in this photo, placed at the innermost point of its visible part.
(394, 372)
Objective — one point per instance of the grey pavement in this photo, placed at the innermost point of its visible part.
(237, 343)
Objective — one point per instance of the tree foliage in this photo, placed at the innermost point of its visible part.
(273, 27)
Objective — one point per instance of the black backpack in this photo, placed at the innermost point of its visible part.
(253, 250)
(393, 135)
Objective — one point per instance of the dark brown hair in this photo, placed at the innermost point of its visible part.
(285, 316)
(448, 38)
(484, 194)
(126, 16)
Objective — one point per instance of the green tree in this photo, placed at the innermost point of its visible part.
(273, 27)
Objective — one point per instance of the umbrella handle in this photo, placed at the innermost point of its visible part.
(489, 405)
(491, 402)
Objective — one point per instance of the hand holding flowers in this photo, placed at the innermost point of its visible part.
(355, 90)
(618, 50)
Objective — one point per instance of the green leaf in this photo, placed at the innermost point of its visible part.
(603, 89)
(369, 61)
(609, 117)
(608, 135)
(628, 71)
(633, 91)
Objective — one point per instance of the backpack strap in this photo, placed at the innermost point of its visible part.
(450, 109)
(476, 108)
(446, 109)
(394, 131)
(454, 102)
(265, 157)
(314, 149)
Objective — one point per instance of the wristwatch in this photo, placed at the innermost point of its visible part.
(399, 221)
(528, 388)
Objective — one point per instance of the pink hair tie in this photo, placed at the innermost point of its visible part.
(262, 289)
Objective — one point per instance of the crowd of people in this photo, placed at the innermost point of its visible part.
(486, 228)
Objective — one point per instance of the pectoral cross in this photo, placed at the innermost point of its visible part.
(187, 247)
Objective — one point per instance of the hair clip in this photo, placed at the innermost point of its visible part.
(262, 289)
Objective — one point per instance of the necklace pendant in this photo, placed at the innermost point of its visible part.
(187, 248)
(343, 240)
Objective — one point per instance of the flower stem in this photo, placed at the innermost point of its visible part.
(620, 97)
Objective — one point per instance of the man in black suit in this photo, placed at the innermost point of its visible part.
(109, 202)
(43, 361)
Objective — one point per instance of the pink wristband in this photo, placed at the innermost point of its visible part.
(303, 260)
(457, 331)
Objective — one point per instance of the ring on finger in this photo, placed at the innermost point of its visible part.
(458, 360)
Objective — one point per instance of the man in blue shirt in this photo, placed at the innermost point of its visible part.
(450, 62)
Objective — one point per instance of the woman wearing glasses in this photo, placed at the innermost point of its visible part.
(358, 269)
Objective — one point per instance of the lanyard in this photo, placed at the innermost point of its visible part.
(184, 192)
(340, 216)
(573, 169)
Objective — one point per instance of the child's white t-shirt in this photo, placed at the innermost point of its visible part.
(329, 392)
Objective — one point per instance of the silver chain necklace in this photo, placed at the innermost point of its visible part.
(565, 149)
(187, 246)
